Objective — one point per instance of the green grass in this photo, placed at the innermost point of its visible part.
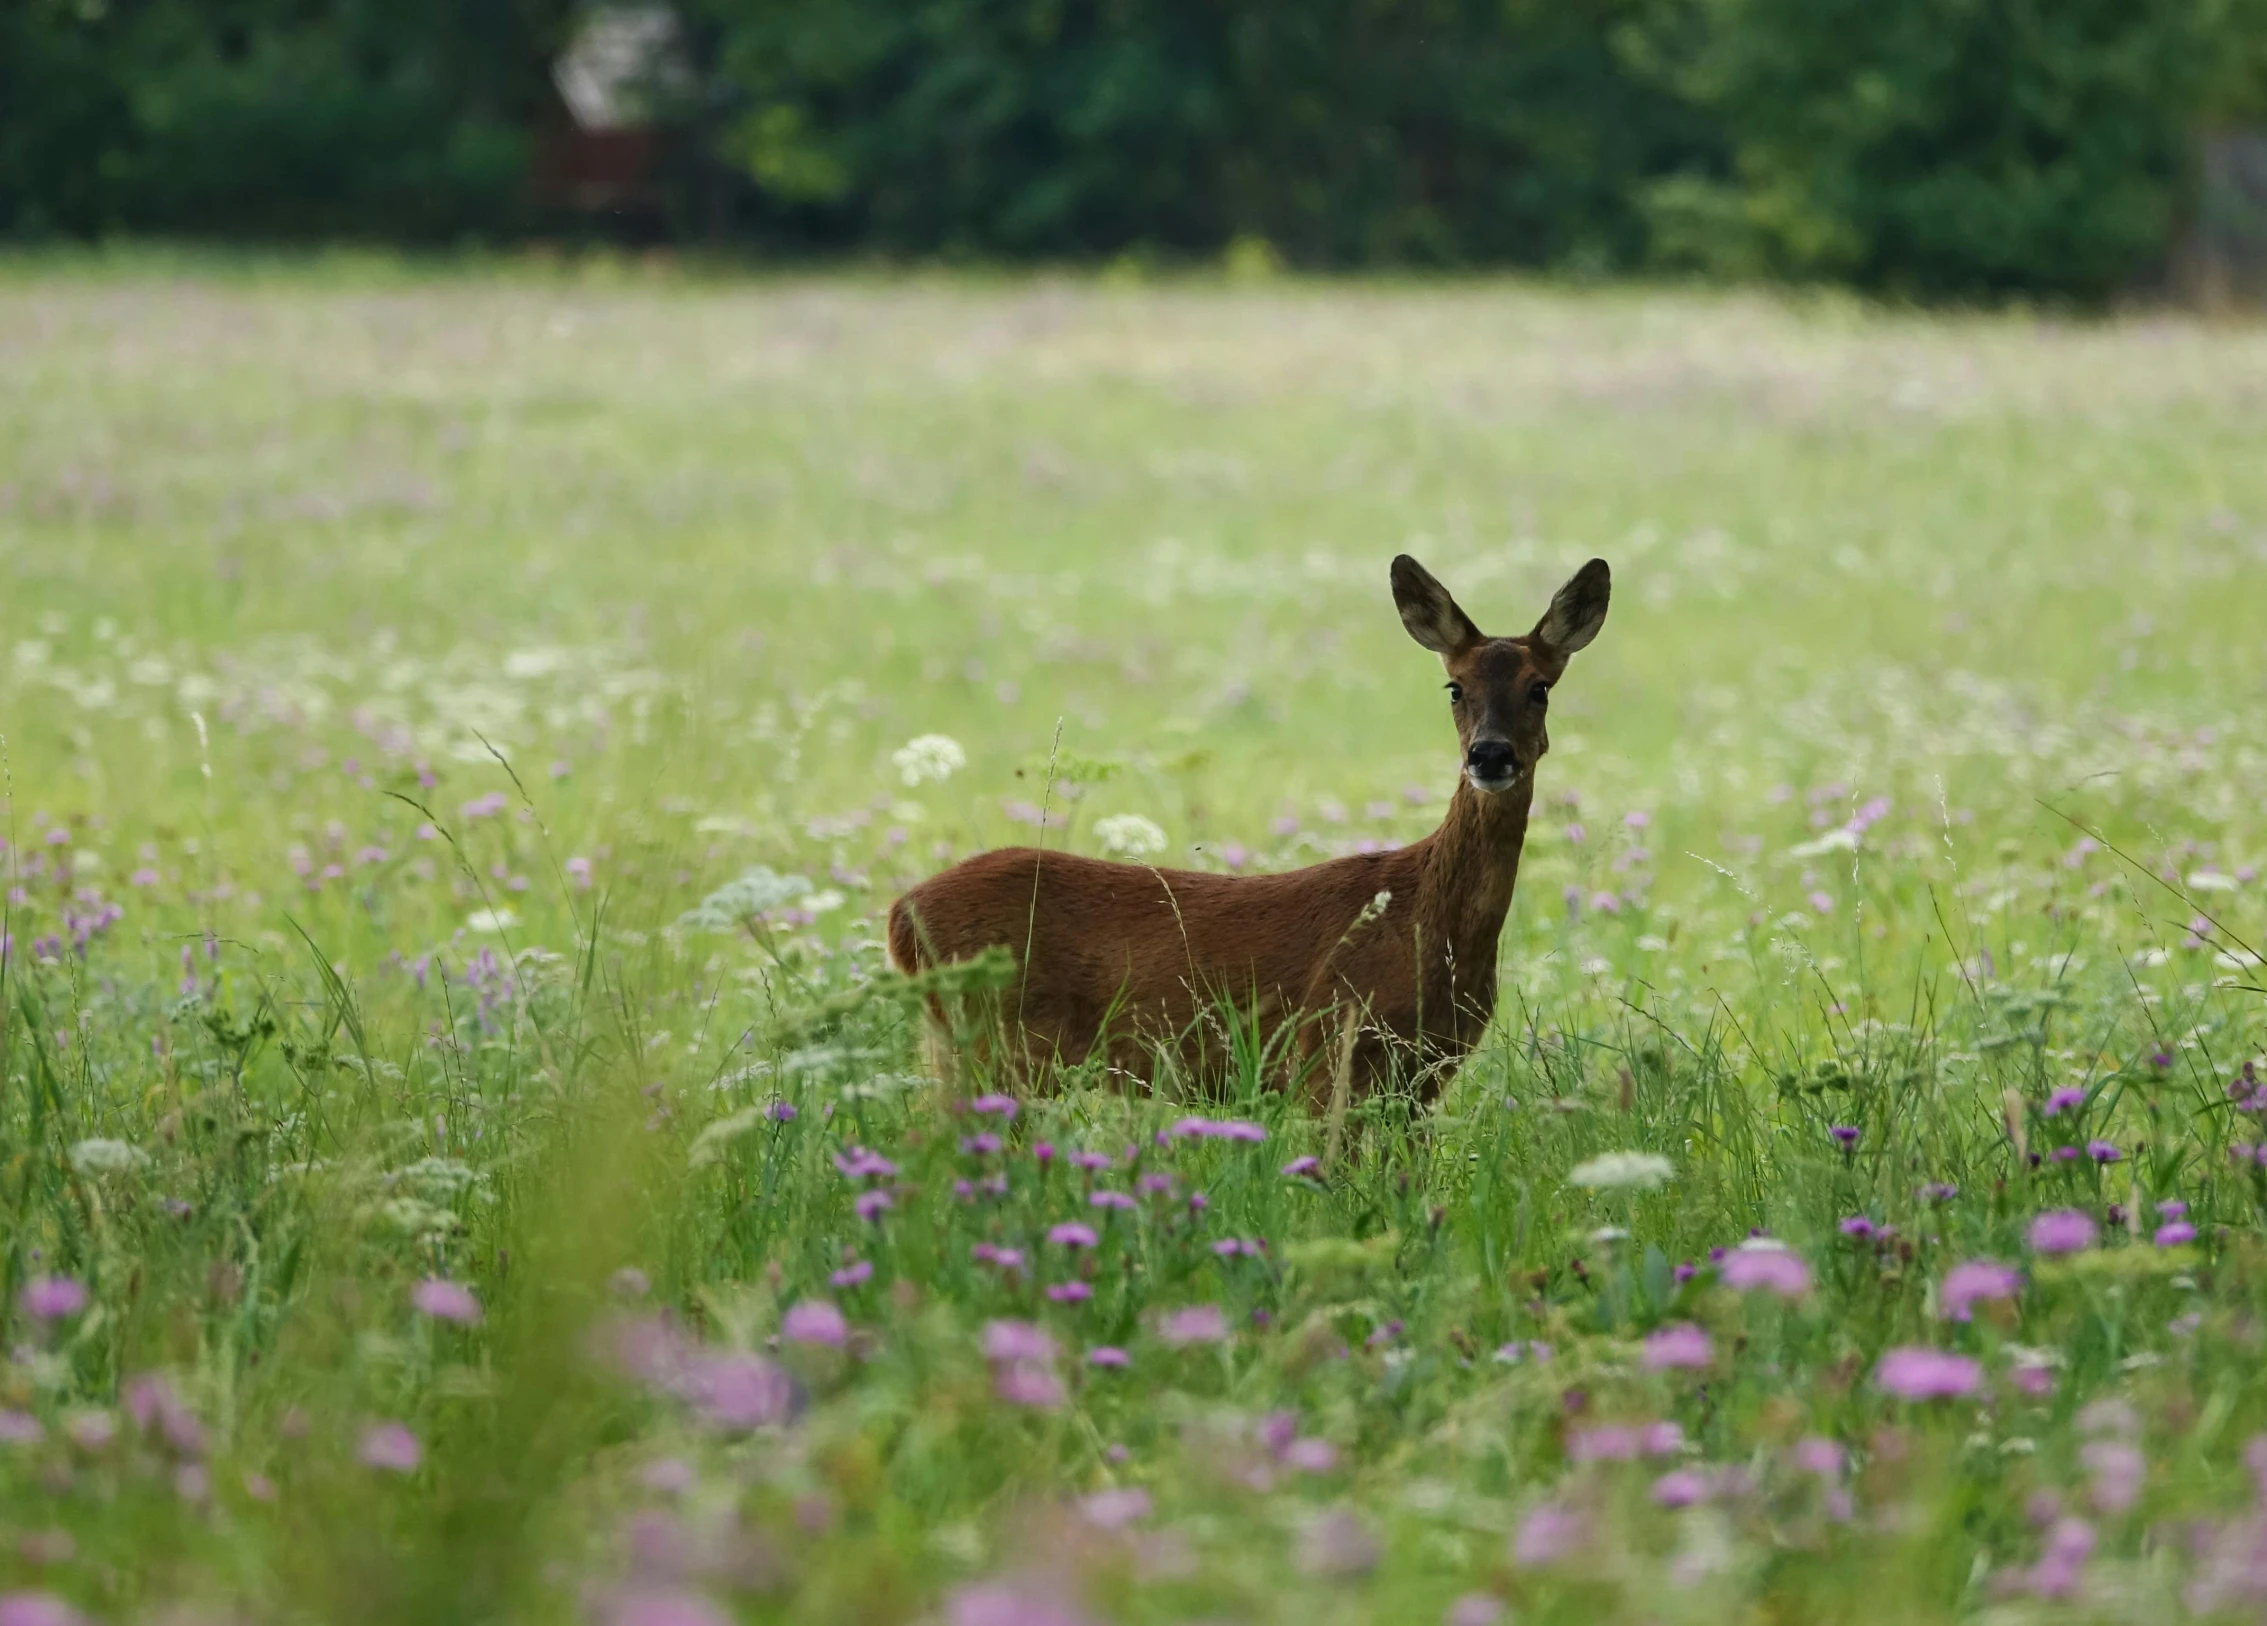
(540, 605)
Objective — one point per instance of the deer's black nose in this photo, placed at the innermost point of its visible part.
(1492, 760)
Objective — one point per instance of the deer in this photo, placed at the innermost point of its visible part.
(1343, 972)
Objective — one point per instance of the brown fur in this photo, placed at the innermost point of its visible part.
(1141, 959)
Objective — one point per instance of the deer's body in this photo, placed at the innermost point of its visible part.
(1373, 963)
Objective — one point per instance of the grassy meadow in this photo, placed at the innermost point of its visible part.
(461, 1157)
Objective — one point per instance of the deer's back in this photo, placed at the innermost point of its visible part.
(1148, 949)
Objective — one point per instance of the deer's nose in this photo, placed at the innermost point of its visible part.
(1491, 760)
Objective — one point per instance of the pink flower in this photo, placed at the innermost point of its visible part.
(1110, 1199)
(1772, 1269)
(1115, 1509)
(1679, 1345)
(1474, 1609)
(1916, 1373)
(814, 1321)
(51, 1298)
(661, 1606)
(390, 1448)
(854, 1274)
(1610, 1442)
(997, 1603)
(1820, 1456)
(37, 1609)
(1549, 1533)
(1017, 1341)
(1681, 1487)
(446, 1301)
(1302, 1166)
(871, 1204)
(1108, 1355)
(1311, 1455)
(2062, 1230)
(1197, 1324)
(1027, 1383)
(1070, 1293)
(1073, 1235)
(1220, 1129)
(2175, 1234)
(999, 1106)
(734, 1393)
(2117, 1470)
(1977, 1279)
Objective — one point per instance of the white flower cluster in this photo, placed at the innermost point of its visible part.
(1623, 1171)
(929, 758)
(1129, 835)
(106, 1157)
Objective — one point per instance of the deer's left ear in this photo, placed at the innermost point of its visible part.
(1433, 618)
(1577, 610)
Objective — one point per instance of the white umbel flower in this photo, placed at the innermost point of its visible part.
(1623, 1171)
(106, 1157)
(929, 758)
(1129, 835)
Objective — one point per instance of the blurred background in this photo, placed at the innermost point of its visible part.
(2080, 150)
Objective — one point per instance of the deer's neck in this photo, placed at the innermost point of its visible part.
(1463, 893)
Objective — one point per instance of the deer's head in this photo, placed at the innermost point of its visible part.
(1499, 689)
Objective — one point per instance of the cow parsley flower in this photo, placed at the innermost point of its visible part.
(1623, 1171)
(928, 759)
(1129, 835)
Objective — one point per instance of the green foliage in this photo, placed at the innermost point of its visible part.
(1935, 147)
(272, 118)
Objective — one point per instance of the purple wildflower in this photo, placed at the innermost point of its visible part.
(1858, 1226)
(1814, 1454)
(2101, 1151)
(871, 1204)
(1754, 1265)
(2067, 1099)
(1678, 1345)
(51, 1298)
(1110, 1199)
(814, 1321)
(2175, 1234)
(1028, 1383)
(1115, 1509)
(446, 1301)
(1305, 1165)
(390, 1448)
(1843, 1135)
(37, 1609)
(1913, 1372)
(1940, 1191)
(781, 1112)
(1017, 1341)
(999, 1106)
(2116, 1471)
(855, 1274)
(1976, 1279)
(1092, 1161)
(2062, 1230)
(734, 1393)
(1681, 1487)
(2070, 1542)
(983, 1145)
(1071, 1234)
(1549, 1533)
(1107, 1355)
(859, 1164)
(1070, 1293)
(1197, 1324)
(1219, 1129)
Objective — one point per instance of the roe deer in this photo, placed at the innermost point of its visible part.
(1384, 960)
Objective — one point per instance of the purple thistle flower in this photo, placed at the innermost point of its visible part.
(2067, 1099)
(1027, 1383)
(1940, 1191)
(645, 1605)
(1070, 1293)
(1043, 1151)
(855, 1274)
(1115, 1509)
(1913, 1372)
(2062, 1230)
(2175, 1234)
(781, 1112)
(1976, 1279)
(1071, 1234)
(1772, 1269)
(871, 1204)
(20, 1427)
(446, 1301)
(1609, 1442)
(1110, 1199)
(1679, 1345)
(2172, 1208)
(2070, 1542)
(2101, 1151)
(1219, 1129)
(1311, 1455)
(1017, 1341)
(814, 1321)
(1681, 1487)
(1092, 1161)
(1857, 1225)
(860, 1164)
(980, 1145)
(1003, 1258)
(390, 1448)
(1108, 1355)
(1815, 1454)
(51, 1298)
(37, 1609)
(734, 1393)
(1302, 1166)
(1197, 1324)
(1844, 1135)
(2116, 1470)
(1000, 1106)
(1474, 1609)
(1549, 1533)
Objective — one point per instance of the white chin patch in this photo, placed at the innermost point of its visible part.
(1491, 787)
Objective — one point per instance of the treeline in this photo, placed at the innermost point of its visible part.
(1930, 147)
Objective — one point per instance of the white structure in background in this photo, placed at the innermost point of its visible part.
(618, 59)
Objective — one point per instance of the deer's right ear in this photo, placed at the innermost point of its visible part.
(1431, 616)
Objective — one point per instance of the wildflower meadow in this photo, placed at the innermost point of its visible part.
(463, 1156)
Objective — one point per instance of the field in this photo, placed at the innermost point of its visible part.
(462, 1159)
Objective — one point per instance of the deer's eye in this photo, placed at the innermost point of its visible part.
(1456, 694)
(1539, 695)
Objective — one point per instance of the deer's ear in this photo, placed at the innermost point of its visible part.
(1431, 616)
(1577, 610)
